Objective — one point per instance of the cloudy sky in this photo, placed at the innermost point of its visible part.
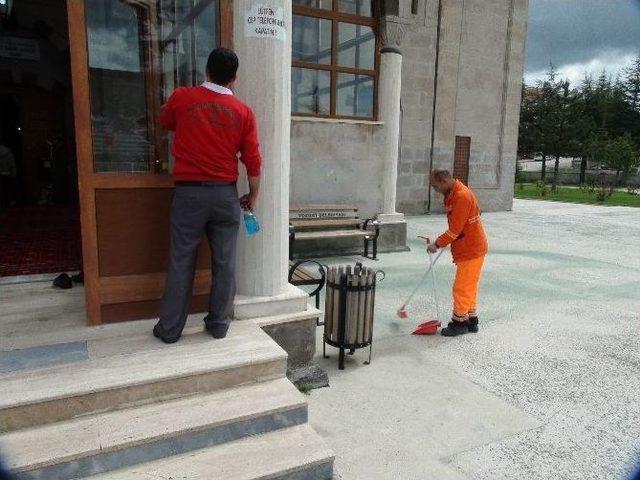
(581, 36)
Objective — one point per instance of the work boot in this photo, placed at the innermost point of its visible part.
(472, 324)
(455, 328)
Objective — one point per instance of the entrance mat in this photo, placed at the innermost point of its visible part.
(42, 239)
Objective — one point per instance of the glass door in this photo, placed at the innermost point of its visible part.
(127, 58)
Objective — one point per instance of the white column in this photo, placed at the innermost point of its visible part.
(390, 88)
(389, 109)
(264, 83)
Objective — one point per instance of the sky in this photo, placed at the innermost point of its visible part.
(581, 36)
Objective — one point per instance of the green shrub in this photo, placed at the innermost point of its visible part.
(601, 193)
(541, 189)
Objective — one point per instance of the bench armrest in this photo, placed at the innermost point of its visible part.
(322, 269)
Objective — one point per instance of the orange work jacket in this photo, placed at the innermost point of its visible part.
(465, 234)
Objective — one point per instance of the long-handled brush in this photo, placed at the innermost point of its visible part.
(402, 311)
(430, 327)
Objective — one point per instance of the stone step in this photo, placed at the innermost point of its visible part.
(103, 442)
(131, 371)
(309, 314)
(296, 453)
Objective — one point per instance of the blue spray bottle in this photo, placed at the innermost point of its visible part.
(251, 224)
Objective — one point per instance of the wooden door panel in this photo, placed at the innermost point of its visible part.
(133, 231)
(121, 312)
(133, 249)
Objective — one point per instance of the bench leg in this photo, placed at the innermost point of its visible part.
(319, 323)
(291, 243)
(375, 248)
(366, 248)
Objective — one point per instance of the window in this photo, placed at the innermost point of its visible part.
(461, 159)
(139, 52)
(334, 58)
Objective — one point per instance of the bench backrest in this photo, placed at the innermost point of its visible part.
(323, 212)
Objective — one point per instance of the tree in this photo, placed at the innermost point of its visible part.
(631, 84)
(620, 155)
(585, 124)
(631, 89)
(557, 122)
(546, 110)
(599, 120)
(528, 133)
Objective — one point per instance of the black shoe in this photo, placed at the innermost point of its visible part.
(78, 278)
(455, 328)
(158, 333)
(472, 324)
(63, 281)
(217, 331)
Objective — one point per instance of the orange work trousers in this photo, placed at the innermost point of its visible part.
(465, 288)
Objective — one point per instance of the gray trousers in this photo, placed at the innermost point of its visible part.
(213, 210)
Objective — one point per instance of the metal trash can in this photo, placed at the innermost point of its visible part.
(349, 309)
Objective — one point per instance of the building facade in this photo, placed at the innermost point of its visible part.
(462, 64)
(356, 100)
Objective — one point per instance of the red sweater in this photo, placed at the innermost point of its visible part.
(210, 130)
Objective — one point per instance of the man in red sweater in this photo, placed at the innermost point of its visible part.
(211, 128)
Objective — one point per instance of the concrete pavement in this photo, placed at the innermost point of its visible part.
(547, 390)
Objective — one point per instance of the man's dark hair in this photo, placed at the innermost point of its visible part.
(222, 66)
(441, 175)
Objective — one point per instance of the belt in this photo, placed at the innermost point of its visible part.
(196, 183)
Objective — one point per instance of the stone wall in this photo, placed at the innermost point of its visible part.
(484, 57)
(418, 52)
(479, 79)
(336, 161)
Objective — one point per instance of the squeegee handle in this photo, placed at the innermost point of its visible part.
(424, 277)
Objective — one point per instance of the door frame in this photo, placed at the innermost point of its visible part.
(118, 289)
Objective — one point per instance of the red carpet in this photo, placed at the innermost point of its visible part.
(36, 240)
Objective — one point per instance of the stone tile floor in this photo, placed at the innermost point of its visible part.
(549, 388)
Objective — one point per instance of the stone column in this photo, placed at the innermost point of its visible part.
(392, 31)
(262, 40)
(264, 50)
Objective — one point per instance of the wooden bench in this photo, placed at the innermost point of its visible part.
(324, 222)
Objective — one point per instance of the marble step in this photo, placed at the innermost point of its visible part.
(296, 453)
(99, 443)
(309, 314)
(121, 372)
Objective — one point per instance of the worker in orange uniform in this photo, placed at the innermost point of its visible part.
(468, 247)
